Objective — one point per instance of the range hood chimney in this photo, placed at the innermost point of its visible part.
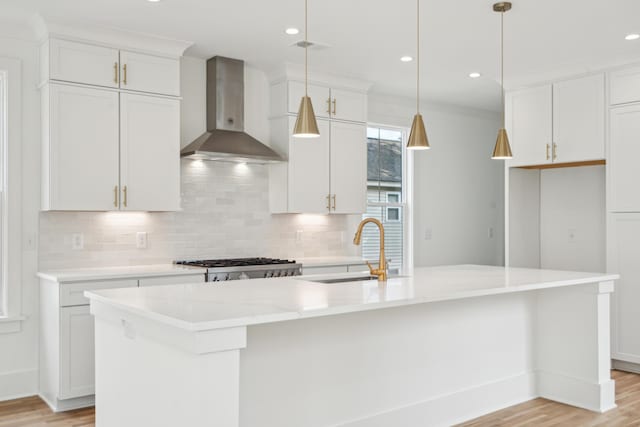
(225, 138)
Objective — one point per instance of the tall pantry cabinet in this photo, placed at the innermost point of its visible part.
(623, 216)
(110, 127)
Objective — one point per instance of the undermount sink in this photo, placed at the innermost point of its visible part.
(346, 279)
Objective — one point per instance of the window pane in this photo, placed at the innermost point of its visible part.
(384, 185)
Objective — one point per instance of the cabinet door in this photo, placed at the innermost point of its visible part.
(348, 168)
(82, 152)
(149, 73)
(149, 153)
(529, 126)
(624, 246)
(625, 86)
(348, 105)
(83, 63)
(624, 151)
(309, 171)
(77, 359)
(320, 98)
(578, 119)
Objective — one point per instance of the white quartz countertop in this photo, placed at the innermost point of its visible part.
(249, 302)
(121, 272)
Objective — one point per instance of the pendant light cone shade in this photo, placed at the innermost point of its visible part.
(502, 150)
(418, 137)
(306, 125)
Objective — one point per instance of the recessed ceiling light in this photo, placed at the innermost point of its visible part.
(406, 59)
(474, 75)
(292, 31)
(632, 36)
(153, 1)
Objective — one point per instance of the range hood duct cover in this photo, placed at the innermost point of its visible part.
(225, 138)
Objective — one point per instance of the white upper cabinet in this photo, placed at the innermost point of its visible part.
(336, 104)
(149, 155)
(80, 148)
(559, 123)
(578, 119)
(75, 62)
(348, 105)
(624, 86)
(529, 125)
(624, 151)
(320, 98)
(308, 183)
(80, 63)
(149, 73)
(348, 168)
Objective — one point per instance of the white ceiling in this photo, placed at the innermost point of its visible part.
(544, 39)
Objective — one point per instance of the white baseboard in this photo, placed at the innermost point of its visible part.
(622, 365)
(576, 392)
(58, 405)
(457, 407)
(17, 384)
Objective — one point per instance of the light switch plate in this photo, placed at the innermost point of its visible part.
(141, 240)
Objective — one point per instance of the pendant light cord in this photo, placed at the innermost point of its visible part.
(418, 56)
(504, 120)
(306, 46)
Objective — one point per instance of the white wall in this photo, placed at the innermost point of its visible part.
(458, 189)
(18, 351)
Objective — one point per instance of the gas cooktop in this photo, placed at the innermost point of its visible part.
(219, 270)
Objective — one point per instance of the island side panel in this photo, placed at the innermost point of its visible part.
(426, 364)
(185, 378)
(573, 346)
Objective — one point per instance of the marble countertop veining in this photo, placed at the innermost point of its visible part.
(249, 302)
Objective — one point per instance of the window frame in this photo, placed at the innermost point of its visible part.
(391, 206)
(406, 196)
(10, 200)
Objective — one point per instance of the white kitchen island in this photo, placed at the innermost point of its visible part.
(442, 346)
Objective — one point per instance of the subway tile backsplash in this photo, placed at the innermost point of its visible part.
(225, 214)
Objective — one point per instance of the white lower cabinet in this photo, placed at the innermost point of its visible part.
(623, 250)
(67, 345)
(77, 359)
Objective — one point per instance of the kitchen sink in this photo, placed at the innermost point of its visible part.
(346, 279)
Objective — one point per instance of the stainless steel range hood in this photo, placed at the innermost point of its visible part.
(225, 138)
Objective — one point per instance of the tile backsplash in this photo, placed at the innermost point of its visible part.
(225, 214)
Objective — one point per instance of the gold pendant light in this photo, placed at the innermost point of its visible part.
(418, 136)
(306, 125)
(502, 150)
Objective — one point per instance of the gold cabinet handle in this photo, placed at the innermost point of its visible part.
(554, 152)
(124, 202)
(115, 72)
(328, 202)
(124, 71)
(334, 202)
(334, 106)
(547, 151)
(328, 105)
(115, 196)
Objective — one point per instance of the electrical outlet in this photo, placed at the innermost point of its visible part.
(298, 235)
(490, 232)
(77, 241)
(427, 234)
(141, 240)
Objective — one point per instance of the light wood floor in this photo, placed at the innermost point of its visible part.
(32, 412)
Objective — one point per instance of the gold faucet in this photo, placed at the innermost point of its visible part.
(381, 271)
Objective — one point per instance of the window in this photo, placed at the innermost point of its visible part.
(386, 198)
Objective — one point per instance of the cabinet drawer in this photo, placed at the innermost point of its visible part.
(325, 270)
(149, 73)
(82, 63)
(625, 86)
(73, 293)
(172, 280)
